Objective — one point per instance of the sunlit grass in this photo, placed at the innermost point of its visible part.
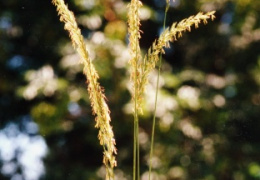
(140, 66)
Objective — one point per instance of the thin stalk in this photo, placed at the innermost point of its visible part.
(134, 152)
(136, 162)
(156, 97)
(136, 158)
(138, 150)
(136, 121)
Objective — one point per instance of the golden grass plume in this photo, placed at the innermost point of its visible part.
(97, 97)
(170, 34)
(135, 61)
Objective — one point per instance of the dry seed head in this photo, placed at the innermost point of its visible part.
(135, 61)
(97, 98)
(169, 35)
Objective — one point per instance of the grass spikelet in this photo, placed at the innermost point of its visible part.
(169, 35)
(134, 36)
(97, 97)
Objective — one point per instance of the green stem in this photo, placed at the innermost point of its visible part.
(155, 104)
(136, 158)
(136, 161)
(134, 152)
(137, 149)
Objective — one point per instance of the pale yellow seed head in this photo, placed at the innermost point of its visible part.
(97, 98)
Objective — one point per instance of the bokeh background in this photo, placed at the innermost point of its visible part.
(208, 116)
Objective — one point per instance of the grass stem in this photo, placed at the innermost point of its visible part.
(155, 103)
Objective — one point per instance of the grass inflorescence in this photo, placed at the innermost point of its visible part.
(98, 100)
(141, 66)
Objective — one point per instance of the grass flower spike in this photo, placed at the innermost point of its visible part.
(169, 35)
(97, 97)
(135, 61)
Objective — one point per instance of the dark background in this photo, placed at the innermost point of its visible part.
(208, 116)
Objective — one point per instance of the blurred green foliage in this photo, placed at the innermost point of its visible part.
(209, 100)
